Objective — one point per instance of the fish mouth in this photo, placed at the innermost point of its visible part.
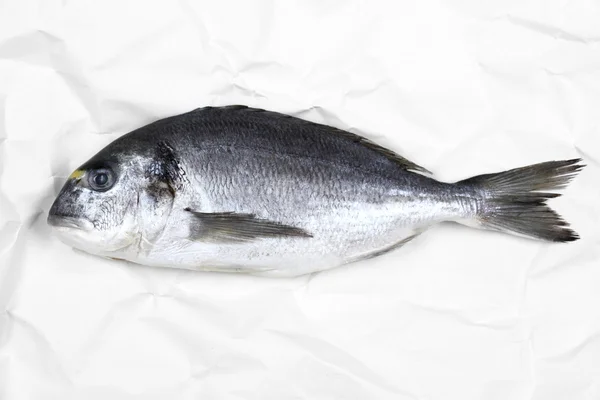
(64, 221)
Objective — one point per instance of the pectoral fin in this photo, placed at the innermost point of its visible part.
(236, 227)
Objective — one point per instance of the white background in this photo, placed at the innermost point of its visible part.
(461, 87)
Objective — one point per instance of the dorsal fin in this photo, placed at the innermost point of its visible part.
(404, 163)
(391, 155)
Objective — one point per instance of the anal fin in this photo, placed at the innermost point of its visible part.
(386, 249)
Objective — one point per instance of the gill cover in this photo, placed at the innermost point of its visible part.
(165, 176)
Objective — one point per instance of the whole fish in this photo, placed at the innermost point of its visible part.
(238, 189)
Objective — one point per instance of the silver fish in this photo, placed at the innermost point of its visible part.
(238, 189)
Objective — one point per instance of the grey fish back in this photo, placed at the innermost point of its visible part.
(242, 126)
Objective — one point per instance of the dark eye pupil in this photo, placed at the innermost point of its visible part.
(101, 179)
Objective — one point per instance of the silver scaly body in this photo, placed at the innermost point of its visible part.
(342, 197)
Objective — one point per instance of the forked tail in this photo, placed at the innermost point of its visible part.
(514, 201)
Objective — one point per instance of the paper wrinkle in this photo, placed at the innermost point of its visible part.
(8, 235)
(457, 314)
(49, 359)
(461, 317)
(549, 30)
(577, 350)
(330, 354)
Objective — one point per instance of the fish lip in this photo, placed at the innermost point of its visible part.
(65, 221)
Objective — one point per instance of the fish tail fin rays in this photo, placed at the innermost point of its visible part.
(515, 201)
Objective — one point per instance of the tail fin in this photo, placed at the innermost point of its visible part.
(514, 201)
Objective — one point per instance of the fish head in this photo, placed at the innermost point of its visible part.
(96, 209)
(121, 199)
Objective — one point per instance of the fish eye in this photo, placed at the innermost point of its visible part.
(101, 179)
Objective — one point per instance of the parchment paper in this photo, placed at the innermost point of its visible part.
(460, 87)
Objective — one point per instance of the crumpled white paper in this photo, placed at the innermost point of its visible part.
(461, 87)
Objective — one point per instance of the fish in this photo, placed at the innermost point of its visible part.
(246, 190)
